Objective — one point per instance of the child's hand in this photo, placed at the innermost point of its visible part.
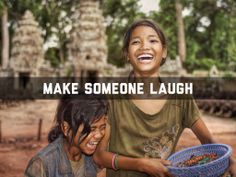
(231, 172)
(232, 167)
(155, 167)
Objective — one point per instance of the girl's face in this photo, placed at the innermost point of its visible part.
(89, 144)
(145, 51)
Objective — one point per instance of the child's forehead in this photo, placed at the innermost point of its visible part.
(99, 121)
(144, 31)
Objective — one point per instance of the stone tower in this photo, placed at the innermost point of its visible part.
(87, 48)
(27, 47)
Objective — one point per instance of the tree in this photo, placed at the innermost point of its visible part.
(209, 31)
(119, 15)
(5, 36)
(211, 24)
(180, 29)
(166, 18)
(231, 35)
(53, 16)
(55, 19)
(9, 15)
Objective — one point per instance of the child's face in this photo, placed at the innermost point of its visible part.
(89, 144)
(145, 51)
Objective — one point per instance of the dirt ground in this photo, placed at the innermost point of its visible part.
(19, 126)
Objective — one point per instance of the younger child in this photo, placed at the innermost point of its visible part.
(80, 125)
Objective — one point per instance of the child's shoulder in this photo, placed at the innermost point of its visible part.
(50, 150)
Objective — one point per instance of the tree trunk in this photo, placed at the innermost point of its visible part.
(5, 39)
(61, 54)
(181, 35)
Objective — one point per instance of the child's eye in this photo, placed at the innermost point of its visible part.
(93, 129)
(103, 127)
(154, 41)
(134, 42)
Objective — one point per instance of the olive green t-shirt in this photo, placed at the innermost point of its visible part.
(137, 134)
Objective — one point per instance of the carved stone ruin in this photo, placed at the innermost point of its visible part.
(87, 48)
(173, 68)
(27, 47)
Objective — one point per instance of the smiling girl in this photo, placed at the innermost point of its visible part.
(147, 129)
(80, 126)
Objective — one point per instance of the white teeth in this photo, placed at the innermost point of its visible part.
(93, 143)
(145, 56)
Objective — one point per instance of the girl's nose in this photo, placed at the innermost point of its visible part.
(98, 134)
(144, 45)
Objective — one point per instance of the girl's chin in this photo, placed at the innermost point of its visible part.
(89, 152)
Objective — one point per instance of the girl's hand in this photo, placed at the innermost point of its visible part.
(155, 167)
(231, 172)
(232, 169)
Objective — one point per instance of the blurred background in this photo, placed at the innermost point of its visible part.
(83, 38)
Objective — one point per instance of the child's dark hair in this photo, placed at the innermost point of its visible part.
(82, 109)
(148, 23)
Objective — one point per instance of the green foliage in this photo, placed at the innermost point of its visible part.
(208, 44)
(228, 75)
(52, 55)
(49, 16)
(2, 5)
(120, 14)
(69, 72)
(166, 19)
(203, 64)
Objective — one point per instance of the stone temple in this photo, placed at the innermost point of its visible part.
(87, 49)
(27, 51)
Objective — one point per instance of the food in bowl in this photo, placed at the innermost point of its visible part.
(214, 168)
(198, 160)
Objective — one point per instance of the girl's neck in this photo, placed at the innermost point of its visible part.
(146, 75)
(147, 80)
(73, 153)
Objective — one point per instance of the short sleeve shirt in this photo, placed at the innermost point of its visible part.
(36, 169)
(137, 134)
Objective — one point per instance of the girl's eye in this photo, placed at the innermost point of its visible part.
(134, 42)
(92, 129)
(95, 129)
(103, 128)
(154, 41)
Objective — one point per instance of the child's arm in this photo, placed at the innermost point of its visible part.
(201, 131)
(153, 167)
(35, 168)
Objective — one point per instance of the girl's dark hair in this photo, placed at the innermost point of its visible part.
(148, 23)
(82, 109)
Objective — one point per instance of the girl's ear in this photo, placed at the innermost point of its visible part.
(164, 54)
(65, 128)
(126, 56)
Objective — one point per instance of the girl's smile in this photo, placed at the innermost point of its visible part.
(145, 57)
(89, 144)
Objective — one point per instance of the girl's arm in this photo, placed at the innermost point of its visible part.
(153, 167)
(35, 169)
(201, 131)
